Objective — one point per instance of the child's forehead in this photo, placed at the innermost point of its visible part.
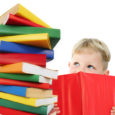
(85, 50)
(87, 57)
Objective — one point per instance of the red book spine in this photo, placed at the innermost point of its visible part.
(68, 89)
(8, 111)
(24, 83)
(16, 20)
(9, 58)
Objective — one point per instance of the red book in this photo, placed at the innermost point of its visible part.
(11, 19)
(8, 111)
(85, 94)
(9, 58)
(24, 83)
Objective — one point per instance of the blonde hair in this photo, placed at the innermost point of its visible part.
(96, 45)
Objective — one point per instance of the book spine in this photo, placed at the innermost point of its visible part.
(9, 58)
(35, 102)
(21, 77)
(19, 99)
(12, 47)
(39, 40)
(18, 106)
(24, 83)
(23, 12)
(54, 34)
(15, 20)
(8, 111)
(26, 77)
(15, 90)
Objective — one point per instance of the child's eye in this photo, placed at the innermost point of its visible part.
(76, 63)
(91, 67)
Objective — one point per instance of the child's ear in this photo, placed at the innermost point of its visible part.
(69, 64)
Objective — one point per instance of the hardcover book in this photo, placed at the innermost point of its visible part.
(11, 19)
(85, 94)
(26, 77)
(8, 111)
(12, 47)
(28, 68)
(24, 83)
(35, 102)
(27, 91)
(21, 11)
(9, 58)
(42, 110)
(54, 34)
(39, 40)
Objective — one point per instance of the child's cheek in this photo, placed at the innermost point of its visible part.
(73, 69)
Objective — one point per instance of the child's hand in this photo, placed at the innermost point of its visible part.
(55, 110)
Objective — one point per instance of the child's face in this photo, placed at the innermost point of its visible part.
(87, 61)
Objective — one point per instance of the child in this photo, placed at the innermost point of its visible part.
(89, 56)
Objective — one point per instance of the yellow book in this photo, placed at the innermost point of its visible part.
(35, 102)
(21, 11)
(38, 40)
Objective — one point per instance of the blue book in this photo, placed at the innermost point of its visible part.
(26, 91)
(15, 90)
(12, 47)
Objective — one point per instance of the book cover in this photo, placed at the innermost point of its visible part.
(12, 47)
(54, 34)
(68, 89)
(26, 77)
(42, 110)
(24, 83)
(85, 94)
(39, 40)
(21, 11)
(11, 19)
(28, 68)
(10, 58)
(26, 91)
(35, 102)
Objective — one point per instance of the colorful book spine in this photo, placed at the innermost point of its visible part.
(8, 111)
(21, 11)
(39, 40)
(9, 58)
(42, 110)
(35, 102)
(26, 91)
(54, 34)
(27, 68)
(24, 83)
(12, 47)
(16, 20)
(26, 77)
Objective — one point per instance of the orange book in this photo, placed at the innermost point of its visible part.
(28, 68)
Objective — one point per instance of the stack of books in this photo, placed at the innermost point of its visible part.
(26, 44)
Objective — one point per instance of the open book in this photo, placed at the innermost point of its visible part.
(85, 94)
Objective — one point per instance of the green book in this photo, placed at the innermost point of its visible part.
(26, 77)
(42, 110)
(54, 34)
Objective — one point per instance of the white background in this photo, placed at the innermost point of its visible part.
(77, 19)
